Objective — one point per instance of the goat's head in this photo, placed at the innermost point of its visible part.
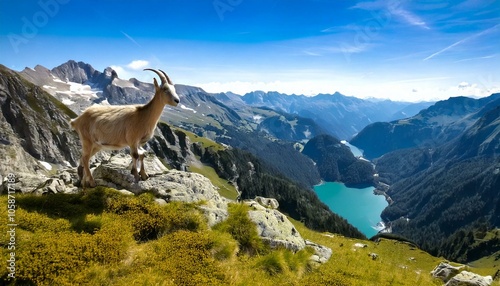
(166, 88)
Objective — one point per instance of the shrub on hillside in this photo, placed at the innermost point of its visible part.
(185, 258)
(150, 220)
(53, 257)
(242, 229)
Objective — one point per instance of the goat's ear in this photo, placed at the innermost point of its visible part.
(156, 83)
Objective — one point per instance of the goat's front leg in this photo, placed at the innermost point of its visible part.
(142, 172)
(134, 152)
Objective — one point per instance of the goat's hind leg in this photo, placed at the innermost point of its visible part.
(138, 157)
(88, 151)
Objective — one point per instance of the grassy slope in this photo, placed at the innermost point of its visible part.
(226, 189)
(105, 238)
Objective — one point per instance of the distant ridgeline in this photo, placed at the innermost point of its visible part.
(443, 168)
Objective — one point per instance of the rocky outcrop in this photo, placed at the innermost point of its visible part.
(275, 229)
(453, 276)
(445, 271)
(268, 202)
(466, 278)
(172, 147)
(167, 185)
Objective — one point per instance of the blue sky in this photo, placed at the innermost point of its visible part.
(403, 50)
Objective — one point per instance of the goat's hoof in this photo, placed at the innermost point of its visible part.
(90, 184)
(137, 179)
(144, 177)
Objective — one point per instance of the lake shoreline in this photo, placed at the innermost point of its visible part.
(359, 206)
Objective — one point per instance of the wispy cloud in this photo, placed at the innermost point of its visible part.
(131, 39)
(342, 48)
(476, 58)
(479, 34)
(370, 5)
(408, 17)
(422, 79)
(336, 29)
(395, 8)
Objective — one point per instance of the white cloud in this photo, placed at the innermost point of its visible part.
(132, 69)
(138, 65)
(464, 85)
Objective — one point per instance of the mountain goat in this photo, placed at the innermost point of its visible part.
(116, 127)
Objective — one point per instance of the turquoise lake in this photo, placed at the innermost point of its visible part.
(360, 207)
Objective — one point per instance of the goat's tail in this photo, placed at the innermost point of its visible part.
(72, 122)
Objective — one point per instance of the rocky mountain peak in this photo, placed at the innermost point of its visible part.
(73, 71)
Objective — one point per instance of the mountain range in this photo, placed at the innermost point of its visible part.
(342, 116)
(432, 126)
(240, 121)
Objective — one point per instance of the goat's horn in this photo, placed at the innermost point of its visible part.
(160, 74)
(168, 79)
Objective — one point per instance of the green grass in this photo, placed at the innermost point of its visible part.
(399, 263)
(226, 189)
(205, 142)
(101, 237)
(489, 263)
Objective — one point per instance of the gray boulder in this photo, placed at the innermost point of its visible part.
(267, 202)
(51, 186)
(445, 271)
(274, 227)
(466, 278)
(24, 183)
(321, 253)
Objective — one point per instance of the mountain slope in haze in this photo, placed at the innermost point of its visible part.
(288, 127)
(431, 127)
(442, 197)
(342, 116)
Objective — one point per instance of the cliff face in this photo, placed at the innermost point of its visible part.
(35, 126)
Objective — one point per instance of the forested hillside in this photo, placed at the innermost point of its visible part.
(255, 179)
(444, 197)
(336, 162)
